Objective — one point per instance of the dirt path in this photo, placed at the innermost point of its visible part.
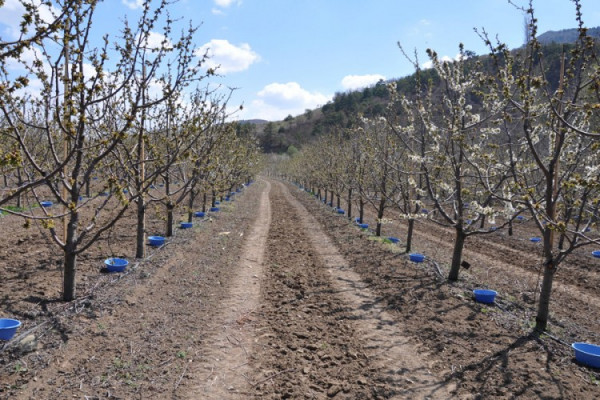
(224, 369)
(325, 335)
(389, 349)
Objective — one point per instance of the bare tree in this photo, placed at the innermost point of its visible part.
(83, 113)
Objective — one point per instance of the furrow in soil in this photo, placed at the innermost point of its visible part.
(223, 372)
(323, 333)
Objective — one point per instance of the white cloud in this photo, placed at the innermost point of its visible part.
(33, 89)
(228, 57)
(352, 82)
(133, 4)
(227, 3)
(222, 4)
(89, 72)
(155, 89)
(155, 41)
(278, 100)
(12, 13)
(27, 57)
(429, 64)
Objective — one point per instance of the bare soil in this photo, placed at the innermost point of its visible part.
(276, 296)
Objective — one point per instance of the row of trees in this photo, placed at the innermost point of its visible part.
(96, 129)
(489, 139)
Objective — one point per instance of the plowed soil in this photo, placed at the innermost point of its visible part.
(277, 296)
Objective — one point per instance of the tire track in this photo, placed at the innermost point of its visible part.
(389, 351)
(223, 371)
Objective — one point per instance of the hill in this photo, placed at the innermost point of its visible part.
(345, 107)
(566, 35)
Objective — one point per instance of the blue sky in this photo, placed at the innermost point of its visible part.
(286, 56)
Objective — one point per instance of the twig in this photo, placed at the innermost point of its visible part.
(181, 377)
(557, 339)
(165, 362)
(245, 377)
(437, 267)
(274, 375)
(239, 366)
(239, 343)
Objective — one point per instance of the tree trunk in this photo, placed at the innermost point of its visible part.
(561, 242)
(140, 248)
(510, 228)
(214, 198)
(350, 204)
(191, 205)
(482, 224)
(170, 219)
(19, 183)
(338, 201)
(409, 234)
(361, 210)
(541, 320)
(70, 261)
(70, 266)
(380, 211)
(459, 244)
(204, 202)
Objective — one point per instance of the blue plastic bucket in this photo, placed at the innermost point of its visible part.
(156, 240)
(587, 353)
(363, 226)
(116, 264)
(536, 239)
(8, 328)
(214, 209)
(596, 253)
(485, 295)
(46, 204)
(341, 211)
(199, 214)
(416, 257)
(186, 225)
(393, 239)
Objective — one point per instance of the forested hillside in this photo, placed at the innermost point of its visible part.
(346, 107)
